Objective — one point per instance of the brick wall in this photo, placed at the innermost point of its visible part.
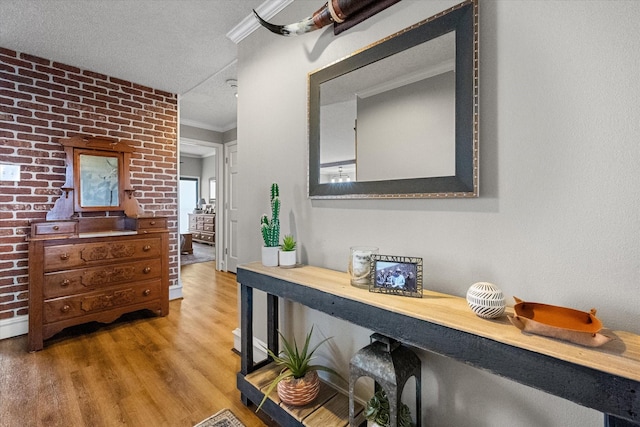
(41, 101)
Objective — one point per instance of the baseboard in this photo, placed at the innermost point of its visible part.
(14, 327)
(175, 292)
(259, 353)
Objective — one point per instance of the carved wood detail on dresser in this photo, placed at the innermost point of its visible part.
(95, 276)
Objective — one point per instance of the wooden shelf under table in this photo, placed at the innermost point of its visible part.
(330, 408)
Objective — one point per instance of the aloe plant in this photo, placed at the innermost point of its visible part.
(295, 363)
(270, 228)
(288, 243)
(377, 410)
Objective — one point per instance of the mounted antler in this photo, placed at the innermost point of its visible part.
(334, 11)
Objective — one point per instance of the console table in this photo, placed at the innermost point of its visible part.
(606, 379)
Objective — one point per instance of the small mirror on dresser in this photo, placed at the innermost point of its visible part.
(97, 178)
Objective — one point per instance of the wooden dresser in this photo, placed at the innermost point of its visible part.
(203, 228)
(97, 255)
(95, 269)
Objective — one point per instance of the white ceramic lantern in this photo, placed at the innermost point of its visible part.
(486, 300)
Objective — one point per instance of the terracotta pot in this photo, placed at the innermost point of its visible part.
(299, 391)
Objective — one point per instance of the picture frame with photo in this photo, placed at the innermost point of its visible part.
(397, 275)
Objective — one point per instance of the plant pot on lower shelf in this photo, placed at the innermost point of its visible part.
(296, 362)
(270, 256)
(299, 391)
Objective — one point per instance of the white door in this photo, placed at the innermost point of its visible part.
(231, 206)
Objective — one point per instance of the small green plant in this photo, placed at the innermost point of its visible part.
(271, 228)
(377, 410)
(288, 243)
(295, 363)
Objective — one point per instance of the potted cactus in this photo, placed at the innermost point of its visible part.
(288, 252)
(270, 229)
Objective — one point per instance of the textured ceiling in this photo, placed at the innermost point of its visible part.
(179, 46)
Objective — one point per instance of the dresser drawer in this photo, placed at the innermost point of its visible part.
(54, 229)
(92, 278)
(152, 224)
(208, 228)
(63, 257)
(95, 302)
(208, 219)
(207, 237)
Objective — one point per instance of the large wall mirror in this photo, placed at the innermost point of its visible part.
(399, 118)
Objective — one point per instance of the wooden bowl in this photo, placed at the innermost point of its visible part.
(559, 317)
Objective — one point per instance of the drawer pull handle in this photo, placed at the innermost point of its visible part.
(152, 222)
(65, 283)
(146, 292)
(146, 270)
(146, 248)
(64, 256)
(56, 228)
(65, 308)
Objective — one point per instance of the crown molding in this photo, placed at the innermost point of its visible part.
(248, 25)
(201, 125)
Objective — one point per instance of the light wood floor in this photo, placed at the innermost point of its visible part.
(139, 371)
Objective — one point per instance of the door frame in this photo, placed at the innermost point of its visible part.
(219, 210)
(228, 247)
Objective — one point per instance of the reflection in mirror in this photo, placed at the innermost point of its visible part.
(378, 112)
(399, 118)
(99, 180)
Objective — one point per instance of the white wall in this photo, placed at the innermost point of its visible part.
(558, 219)
(209, 164)
(190, 166)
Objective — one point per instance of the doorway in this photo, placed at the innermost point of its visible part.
(197, 242)
(199, 195)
